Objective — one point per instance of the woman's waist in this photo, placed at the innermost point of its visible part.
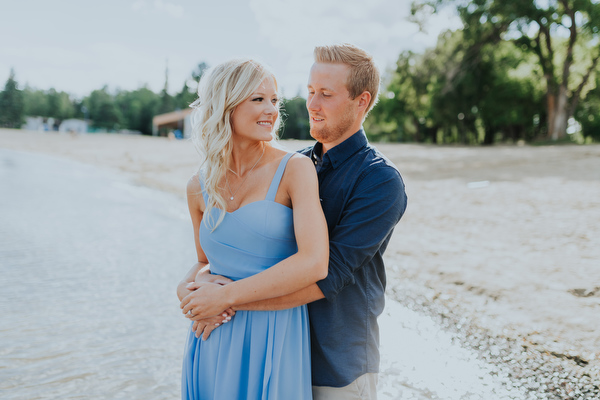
(241, 267)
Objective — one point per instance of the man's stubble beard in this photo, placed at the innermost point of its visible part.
(330, 134)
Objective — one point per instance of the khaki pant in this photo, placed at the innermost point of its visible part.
(363, 388)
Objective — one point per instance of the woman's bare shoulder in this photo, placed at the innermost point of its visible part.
(193, 186)
(301, 163)
(299, 171)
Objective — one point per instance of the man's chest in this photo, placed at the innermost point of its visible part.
(335, 193)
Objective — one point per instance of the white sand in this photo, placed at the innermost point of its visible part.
(506, 235)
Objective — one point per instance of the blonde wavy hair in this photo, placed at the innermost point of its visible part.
(221, 89)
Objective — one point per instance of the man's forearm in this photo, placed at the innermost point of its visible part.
(190, 277)
(299, 298)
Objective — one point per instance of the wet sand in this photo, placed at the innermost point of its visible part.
(501, 239)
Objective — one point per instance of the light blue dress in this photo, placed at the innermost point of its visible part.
(258, 354)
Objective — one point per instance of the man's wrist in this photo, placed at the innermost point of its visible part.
(183, 283)
(203, 271)
(205, 268)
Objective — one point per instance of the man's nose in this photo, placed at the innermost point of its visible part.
(313, 103)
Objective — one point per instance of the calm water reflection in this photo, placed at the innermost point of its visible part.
(89, 263)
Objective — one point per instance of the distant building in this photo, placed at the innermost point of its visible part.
(34, 124)
(162, 124)
(73, 126)
(41, 124)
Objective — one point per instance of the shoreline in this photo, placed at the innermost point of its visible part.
(478, 249)
(529, 365)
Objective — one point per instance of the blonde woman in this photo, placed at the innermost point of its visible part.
(258, 221)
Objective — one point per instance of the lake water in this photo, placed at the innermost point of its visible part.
(89, 262)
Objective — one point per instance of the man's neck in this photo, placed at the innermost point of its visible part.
(330, 145)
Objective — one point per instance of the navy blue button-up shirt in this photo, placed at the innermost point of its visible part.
(363, 198)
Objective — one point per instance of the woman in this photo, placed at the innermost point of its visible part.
(241, 207)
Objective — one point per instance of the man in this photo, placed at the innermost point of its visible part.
(363, 198)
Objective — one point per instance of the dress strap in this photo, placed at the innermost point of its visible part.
(277, 178)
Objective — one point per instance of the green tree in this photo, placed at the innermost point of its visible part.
(551, 30)
(185, 97)
(460, 92)
(50, 103)
(588, 113)
(199, 71)
(511, 104)
(294, 117)
(488, 93)
(188, 92)
(60, 105)
(166, 102)
(138, 108)
(102, 110)
(12, 110)
(35, 102)
(404, 112)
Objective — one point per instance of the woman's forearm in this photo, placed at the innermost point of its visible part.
(288, 276)
(299, 298)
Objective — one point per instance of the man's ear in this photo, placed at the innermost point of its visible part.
(363, 101)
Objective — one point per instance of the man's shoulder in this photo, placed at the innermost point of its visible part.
(375, 162)
(306, 151)
(381, 179)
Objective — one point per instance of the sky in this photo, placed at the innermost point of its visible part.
(78, 46)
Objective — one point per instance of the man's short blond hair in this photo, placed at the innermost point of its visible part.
(364, 74)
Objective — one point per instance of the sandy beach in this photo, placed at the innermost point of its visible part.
(501, 239)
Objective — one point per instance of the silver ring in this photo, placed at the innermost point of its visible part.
(190, 313)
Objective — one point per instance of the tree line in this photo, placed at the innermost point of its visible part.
(106, 110)
(518, 70)
(121, 110)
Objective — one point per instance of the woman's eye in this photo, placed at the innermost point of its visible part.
(258, 99)
(275, 101)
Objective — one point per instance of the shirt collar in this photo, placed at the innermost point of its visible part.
(340, 153)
